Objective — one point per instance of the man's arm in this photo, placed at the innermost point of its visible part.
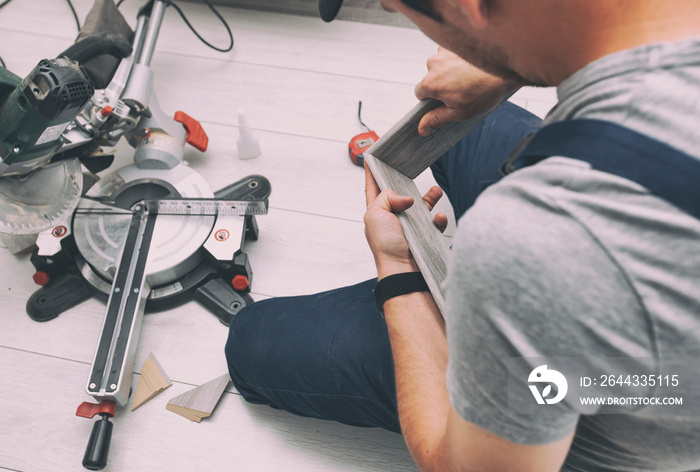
(438, 438)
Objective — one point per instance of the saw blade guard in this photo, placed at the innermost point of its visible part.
(35, 202)
(176, 239)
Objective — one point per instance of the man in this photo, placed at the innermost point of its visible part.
(555, 260)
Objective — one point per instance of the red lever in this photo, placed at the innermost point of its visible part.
(88, 410)
(195, 133)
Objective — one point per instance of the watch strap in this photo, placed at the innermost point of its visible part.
(398, 284)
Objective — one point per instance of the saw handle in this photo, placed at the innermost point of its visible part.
(97, 449)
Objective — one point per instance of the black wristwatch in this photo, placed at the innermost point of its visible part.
(398, 284)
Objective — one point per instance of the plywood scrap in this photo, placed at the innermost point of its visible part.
(199, 402)
(153, 380)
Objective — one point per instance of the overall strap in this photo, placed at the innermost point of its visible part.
(609, 147)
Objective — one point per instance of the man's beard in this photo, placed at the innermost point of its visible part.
(489, 58)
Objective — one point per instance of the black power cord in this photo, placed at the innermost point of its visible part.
(75, 15)
(218, 15)
(189, 25)
(180, 12)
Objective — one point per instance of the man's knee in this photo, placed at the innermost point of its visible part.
(245, 351)
(325, 355)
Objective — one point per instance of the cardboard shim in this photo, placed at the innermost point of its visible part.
(398, 157)
(199, 402)
(153, 380)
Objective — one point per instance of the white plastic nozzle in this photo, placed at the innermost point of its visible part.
(248, 145)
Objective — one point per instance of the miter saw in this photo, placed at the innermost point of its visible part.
(149, 235)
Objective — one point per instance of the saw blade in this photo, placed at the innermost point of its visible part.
(36, 201)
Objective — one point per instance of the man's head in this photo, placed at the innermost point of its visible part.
(330, 8)
(541, 42)
(445, 21)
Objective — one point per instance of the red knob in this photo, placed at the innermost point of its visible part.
(240, 282)
(41, 278)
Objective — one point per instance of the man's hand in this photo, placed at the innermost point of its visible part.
(383, 229)
(465, 90)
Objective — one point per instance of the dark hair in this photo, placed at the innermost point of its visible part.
(425, 7)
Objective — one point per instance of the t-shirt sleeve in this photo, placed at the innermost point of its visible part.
(526, 279)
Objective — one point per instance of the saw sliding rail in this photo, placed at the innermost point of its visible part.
(110, 375)
(114, 358)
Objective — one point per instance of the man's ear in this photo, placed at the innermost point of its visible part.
(475, 10)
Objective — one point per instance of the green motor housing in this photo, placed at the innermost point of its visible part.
(35, 111)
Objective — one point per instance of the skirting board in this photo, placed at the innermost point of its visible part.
(410, 153)
(427, 245)
(395, 160)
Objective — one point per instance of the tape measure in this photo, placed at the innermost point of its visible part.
(360, 143)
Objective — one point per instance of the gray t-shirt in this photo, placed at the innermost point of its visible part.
(559, 260)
